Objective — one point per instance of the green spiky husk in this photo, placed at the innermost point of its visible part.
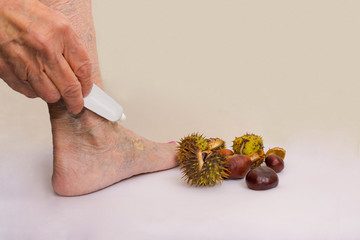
(247, 144)
(212, 169)
(192, 141)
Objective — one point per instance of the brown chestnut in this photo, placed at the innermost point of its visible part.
(275, 162)
(226, 152)
(239, 165)
(262, 178)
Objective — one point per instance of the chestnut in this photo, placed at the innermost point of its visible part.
(275, 162)
(238, 165)
(226, 152)
(262, 178)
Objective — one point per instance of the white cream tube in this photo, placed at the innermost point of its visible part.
(102, 104)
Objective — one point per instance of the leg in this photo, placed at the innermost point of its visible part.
(91, 153)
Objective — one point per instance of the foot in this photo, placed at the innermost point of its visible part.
(91, 153)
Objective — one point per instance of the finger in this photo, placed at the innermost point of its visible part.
(27, 73)
(27, 90)
(76, 55)
(43, 86)
(22, 88)
(66, 82)
(17, 58)
(19, 85)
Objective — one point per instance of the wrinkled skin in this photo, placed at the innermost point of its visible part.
(41, 55)
(89, 152)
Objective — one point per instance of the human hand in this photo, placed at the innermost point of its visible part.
(41, 55)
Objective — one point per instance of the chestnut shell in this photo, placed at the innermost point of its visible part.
(225, 152)
(275, 162)
(262, 178)
(238, 165)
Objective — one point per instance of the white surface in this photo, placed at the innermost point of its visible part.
(288, 70)
(317, 198)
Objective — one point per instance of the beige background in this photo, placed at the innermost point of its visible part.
(287, 70)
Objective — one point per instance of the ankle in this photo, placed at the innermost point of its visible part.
(82, 121)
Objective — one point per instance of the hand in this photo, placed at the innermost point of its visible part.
(41, 55)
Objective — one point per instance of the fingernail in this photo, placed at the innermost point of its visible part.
(172, 142)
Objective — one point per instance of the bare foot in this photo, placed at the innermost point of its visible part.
(91, 153)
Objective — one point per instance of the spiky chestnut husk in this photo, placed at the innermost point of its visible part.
(202, 166)
(251, 145)
(248, 144)
(193, 140)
